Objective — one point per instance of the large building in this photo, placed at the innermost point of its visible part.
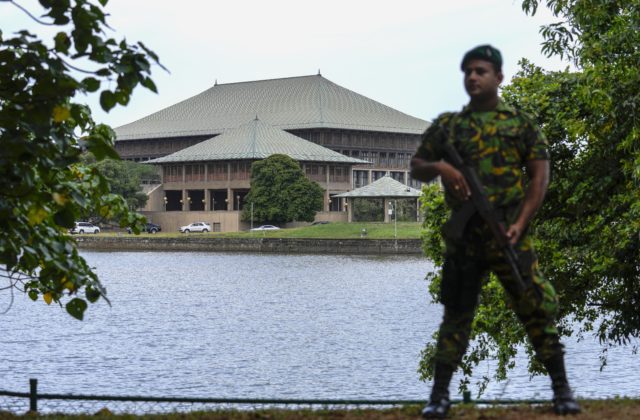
(310, 107)
(206, 144)
(210, 180)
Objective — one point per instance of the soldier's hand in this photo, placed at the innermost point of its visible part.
(454, 181)
(514, 232)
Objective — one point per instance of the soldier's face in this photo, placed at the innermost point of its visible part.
(481, 80)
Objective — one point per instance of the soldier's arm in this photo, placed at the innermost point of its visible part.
(452, 178)
(538, 171)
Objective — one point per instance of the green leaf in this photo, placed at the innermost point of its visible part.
(100, 148)
(76, 307)
(91, 84)
(64, 218)
(149, 84)
(92, 294)
(33, 295)
(62, 42)
(107, 100)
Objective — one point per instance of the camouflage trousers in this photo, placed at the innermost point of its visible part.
(467, 263)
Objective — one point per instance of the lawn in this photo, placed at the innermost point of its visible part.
(343, 230)
(333, 230)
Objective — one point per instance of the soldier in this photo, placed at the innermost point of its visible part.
(497, 141)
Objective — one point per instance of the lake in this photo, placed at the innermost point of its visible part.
(259, 326)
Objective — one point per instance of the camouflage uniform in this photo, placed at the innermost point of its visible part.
(497, 144)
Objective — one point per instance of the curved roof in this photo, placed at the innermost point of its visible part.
(383, 187)
(287, 103)
(256, 140)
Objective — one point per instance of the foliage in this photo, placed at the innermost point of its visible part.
(587, 230)
(495, 331)
(45, 186)
(406, 209)
(281, 193)
(368, 209)
(125, 179)
(590, 226)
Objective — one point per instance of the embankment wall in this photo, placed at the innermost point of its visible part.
(274, 245)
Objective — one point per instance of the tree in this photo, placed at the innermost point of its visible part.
(587, 229)
(281, 193)
(367, 209)
(126, 179)
(45, 185)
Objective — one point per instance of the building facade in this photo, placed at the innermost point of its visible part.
(309, 107)
(209, 181)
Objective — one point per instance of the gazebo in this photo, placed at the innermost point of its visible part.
(382, 195)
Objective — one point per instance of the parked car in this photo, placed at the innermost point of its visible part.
(196, 227)
(149, 228)
(265, 227)
(84, 227)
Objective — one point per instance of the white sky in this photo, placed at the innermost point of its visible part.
(403, 53)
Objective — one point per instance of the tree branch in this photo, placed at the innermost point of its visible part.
(29, 13)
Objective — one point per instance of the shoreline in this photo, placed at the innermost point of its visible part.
(253, 245)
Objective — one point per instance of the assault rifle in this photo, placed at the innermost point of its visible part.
(482, 205)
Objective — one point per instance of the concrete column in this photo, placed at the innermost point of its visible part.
(185, 202)
(229, 199)
(387, 216)
(207, 198)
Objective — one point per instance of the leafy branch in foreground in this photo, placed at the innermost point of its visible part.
(45, 185)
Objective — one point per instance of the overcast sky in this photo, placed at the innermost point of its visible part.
(403, 53)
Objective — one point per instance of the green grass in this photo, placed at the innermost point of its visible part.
(334, 230)
(341, 230)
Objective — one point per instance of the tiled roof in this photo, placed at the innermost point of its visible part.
(288, 103)
(256, 140)
(384, 187)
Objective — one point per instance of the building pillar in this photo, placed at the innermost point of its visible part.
(207, 198)
(184, 201)
(229, 199)
(387, 216)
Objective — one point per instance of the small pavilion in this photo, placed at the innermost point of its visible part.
(385, 193)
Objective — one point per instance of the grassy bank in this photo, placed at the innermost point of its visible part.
(619, 409)
(335, 230)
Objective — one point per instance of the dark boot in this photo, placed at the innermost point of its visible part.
(439, 403)
(563, 400)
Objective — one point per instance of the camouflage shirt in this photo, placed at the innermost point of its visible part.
(496, 144)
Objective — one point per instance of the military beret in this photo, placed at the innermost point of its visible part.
(483, 52)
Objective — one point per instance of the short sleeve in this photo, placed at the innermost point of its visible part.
(430, 148)
(536, 143)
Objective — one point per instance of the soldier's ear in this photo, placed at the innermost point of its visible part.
(500, 77)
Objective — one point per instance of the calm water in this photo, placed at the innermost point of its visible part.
(261, 326)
